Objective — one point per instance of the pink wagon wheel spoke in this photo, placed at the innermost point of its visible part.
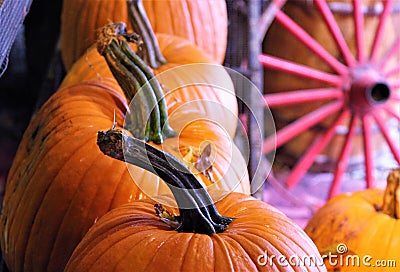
(300, 125)
(311, 43)
(393, 144)
(362, 88)
(342, 162)
(380, 30)
(359, 27)
(394, 72)
(335, 31)
(368, 145)
(391, 112)
(300, 96)
(290, 67)
(391, 53)
(309, 156)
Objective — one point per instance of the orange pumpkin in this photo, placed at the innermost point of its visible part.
(204, 23)
(362, 227)
(238, 233)
(59, 183)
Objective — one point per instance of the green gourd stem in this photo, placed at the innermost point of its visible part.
(142, 72)
(140, 126)
(142, 26)
(391, 197)
(135, 78)
(145, 91)
(197, 212)
(166, 129)
(132, 121)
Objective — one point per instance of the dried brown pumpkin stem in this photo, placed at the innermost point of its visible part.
(391, 197)
(197, 212)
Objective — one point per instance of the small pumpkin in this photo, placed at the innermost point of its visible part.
(60, 183)
(204, 23)
(238, 233)
(356, 231)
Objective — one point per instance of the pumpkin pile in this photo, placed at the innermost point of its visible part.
(238, 233)
(169, 103)
(60, 183)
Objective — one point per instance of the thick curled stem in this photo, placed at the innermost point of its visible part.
(140, 111)
(138, 83)
(155, 86)
(197, 212)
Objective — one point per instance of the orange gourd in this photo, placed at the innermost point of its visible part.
(203, 23)
(238, 233)
(60, 184)
(360, 231)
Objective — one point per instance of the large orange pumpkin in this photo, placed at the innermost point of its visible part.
(360, 231)
(238, 233)
(59, 183)
(189, 76)
(204, 23)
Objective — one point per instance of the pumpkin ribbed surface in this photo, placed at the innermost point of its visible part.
(132, 238)
(52, 192)
(204, 23)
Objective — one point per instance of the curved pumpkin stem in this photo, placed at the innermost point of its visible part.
(203, 216)
(135, 78)
(144, 107)
(141, 25)
(155, 86)
(391, 198)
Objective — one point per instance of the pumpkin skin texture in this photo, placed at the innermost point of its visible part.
(50, 201)
(132, 238)
(187, 64)
(204, 23)
(363, 223)
(59, 183)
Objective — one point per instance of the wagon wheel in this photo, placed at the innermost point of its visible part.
(360, 88)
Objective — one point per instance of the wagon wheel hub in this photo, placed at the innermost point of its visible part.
(367, 90)
(363, 85)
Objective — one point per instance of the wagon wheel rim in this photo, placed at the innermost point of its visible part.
(362, 89)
